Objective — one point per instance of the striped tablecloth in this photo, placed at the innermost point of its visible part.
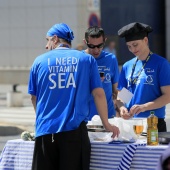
(106, 156)
(17, 155)
(112, 156)
(146, 158)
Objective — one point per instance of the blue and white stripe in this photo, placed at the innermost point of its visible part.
(18, 154)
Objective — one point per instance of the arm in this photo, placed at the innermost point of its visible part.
(152, 105)
(33, 99)
(114, 97)
(114, 91)
(122, 109)
(101, 105)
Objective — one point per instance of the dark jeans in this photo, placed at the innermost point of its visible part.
(161, 125)
(69, 151)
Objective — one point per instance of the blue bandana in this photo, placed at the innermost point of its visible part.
(62, 31)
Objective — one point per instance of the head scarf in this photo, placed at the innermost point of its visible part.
(62, 31)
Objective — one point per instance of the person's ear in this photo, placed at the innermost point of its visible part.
(85, 42)
(55, 39)
(146, 39)
(105, 40)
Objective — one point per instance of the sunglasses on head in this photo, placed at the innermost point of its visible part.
(94, 46)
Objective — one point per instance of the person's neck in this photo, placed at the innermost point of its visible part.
(63, 45)
(87, 51)
(144, 55)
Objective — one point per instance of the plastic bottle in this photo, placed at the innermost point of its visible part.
(152, 130)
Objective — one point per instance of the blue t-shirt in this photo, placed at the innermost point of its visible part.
(107, 63)
(62, 80)
(156, 74)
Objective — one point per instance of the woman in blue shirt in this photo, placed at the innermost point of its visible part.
(147, 76)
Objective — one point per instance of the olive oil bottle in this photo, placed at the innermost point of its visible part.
(152, 130)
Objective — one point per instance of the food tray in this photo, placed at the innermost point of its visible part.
(96, 128)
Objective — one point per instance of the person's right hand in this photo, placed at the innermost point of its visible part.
(124, 113)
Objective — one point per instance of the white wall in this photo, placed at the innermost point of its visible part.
(24, 24)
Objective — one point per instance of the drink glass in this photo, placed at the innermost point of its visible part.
(138, 126)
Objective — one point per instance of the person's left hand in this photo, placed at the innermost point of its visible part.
(112, 128)
(136, 109)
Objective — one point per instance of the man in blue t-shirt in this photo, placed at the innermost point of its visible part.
(61, 83)
(146, 76)
(107, 67)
